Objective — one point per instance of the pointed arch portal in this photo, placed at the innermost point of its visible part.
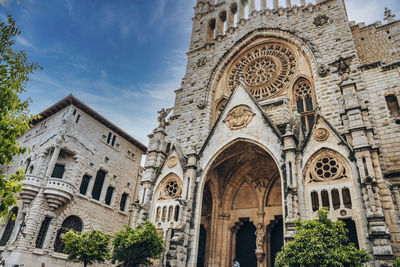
(242, 198)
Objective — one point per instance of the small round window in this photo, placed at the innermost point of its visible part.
(327, 167)
(171, 189)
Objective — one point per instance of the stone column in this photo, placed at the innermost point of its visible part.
(252, 6)
(263, 4)
(241, 11)
(53, 161)
(276, 4)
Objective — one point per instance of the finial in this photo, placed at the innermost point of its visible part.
(163, 115)
(389, 17)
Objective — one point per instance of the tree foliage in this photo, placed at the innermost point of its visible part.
(14, 113)
(396, 262)
(134, 246)
(88, 248)
(321, 242)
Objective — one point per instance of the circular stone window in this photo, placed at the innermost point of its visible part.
(266, 69)
(171, 189)
(327, 168)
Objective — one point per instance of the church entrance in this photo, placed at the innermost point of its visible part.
(242, 199)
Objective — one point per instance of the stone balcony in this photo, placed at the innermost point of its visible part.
(58, 193)
(31, 186)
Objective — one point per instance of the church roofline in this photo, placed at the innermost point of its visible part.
(72, 100)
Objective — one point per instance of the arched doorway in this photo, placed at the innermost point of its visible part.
(241, 197)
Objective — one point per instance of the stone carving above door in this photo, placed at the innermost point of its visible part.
(239, 117)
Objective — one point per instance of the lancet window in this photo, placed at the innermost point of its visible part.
(304, 102)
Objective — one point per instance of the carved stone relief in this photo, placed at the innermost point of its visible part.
(172, 161)
(239, 117)
(321, 134)
(321, 20)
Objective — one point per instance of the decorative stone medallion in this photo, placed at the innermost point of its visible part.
(239, 117)
(172, 161)
(321, 134)
(266, 69)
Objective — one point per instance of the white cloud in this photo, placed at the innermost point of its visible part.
(371, 10)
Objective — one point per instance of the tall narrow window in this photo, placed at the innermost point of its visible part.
(346, 198)
(110, 191)
(305, 106)
(164, 214)
(109, 138)
(335, 199)
(58, 171)
(28, 162)
(42, 232)
(325, 198)
(170, 212)
(98, 184)
(84, 184)
(158, 214)
(9, 228)
(113, 140)
(211, 30)
(314, 201)
(77, 118)
(393, 106)
(176, 215)
(122, 204)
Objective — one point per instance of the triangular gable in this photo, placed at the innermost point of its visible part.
(241, 96)
(322, 134)
(175, 162)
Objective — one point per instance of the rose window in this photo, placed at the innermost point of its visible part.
(260, 71)
(326, 168)
(171, 189)
(266, 69)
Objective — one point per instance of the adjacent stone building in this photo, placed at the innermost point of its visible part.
(82, 173)
(282, 110)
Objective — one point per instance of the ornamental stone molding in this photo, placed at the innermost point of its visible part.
(239, 117)
(321, 20)
(266, 69)
(321, 134)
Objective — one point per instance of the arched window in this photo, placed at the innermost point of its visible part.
(314, 201)
(304, 103)
(325, 198)
(164, 214)
(221, 23)
(73, 223)
(233, 17)
(346, 198)
(9, 228)
(335, 199)
(170, 212)
(211, 30)
(176, 217)
(158, 214)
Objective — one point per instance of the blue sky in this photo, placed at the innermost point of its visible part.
(124, 58)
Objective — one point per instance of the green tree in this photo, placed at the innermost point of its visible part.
(396, 262)
(88, 248)
(134, 246)
(321, 242)
(14, 113)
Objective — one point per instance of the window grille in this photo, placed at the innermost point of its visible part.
(70, 223)
(42, 232)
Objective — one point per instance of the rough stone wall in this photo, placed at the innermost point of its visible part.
(85, 140)
(380, 83)
(377, 42)
(334, 36)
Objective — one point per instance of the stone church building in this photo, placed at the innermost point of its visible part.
(282, 110)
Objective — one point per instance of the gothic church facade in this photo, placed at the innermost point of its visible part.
(282, 110)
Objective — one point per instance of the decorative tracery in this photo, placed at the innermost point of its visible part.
(266, 69)
(304, 102)
(171, 188)
(326, 167)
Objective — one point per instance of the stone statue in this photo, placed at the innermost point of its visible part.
(163, 115)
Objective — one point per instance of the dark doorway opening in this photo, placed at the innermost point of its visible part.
(202, 247)
(352, 234)
(276, 238)
(246, 245)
